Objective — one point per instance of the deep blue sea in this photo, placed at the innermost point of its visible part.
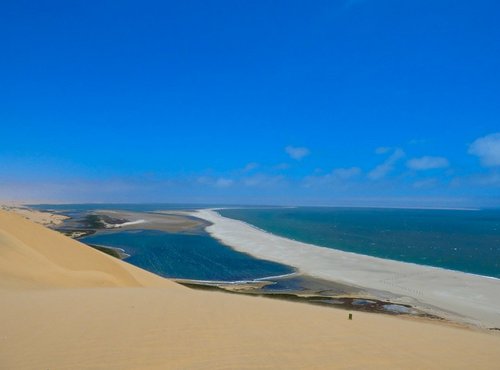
(460, 240)
(187, 256)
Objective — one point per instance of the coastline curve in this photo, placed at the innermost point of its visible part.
(458, 296)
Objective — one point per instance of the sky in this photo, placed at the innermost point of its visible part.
(337, 102)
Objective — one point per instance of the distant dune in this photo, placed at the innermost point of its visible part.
(67, 306)
(40, 217)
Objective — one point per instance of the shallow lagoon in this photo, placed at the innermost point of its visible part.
(187, 256)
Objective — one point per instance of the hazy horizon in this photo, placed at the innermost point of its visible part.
(250, 205)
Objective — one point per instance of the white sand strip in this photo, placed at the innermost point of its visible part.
(468, 298)
(130, 223)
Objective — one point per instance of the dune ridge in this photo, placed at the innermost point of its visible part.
(67, 306)
(33, 256)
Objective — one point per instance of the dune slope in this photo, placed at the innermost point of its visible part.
(66, 306)
(33, 256)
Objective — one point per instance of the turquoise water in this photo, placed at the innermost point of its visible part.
(187, 256)
(466, 241)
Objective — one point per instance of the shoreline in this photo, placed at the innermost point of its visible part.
(306, 289)
(403, 287)
(358, 254)
(457, 296)
(73, 306)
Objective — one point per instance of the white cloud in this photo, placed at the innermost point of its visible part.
(220, 182)
(425, 184)
(382, 150)
(387, 166)
(204, 180)
(250, 166)
(297, 152)
(337, 177)
(262, 180)
(427, 163)
(487, 148)
(282, 166)
(346, 173)
(223, 182)
(490, 179)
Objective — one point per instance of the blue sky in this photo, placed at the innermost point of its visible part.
(338, 102)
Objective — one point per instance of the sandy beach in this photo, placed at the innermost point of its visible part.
(68, 306)
(454, 295)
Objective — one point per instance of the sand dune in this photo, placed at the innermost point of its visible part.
(32, 256)
(67, 306)
(43, 218)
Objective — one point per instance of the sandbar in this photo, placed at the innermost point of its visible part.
(457, 296)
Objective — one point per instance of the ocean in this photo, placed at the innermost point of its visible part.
(462, 240)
